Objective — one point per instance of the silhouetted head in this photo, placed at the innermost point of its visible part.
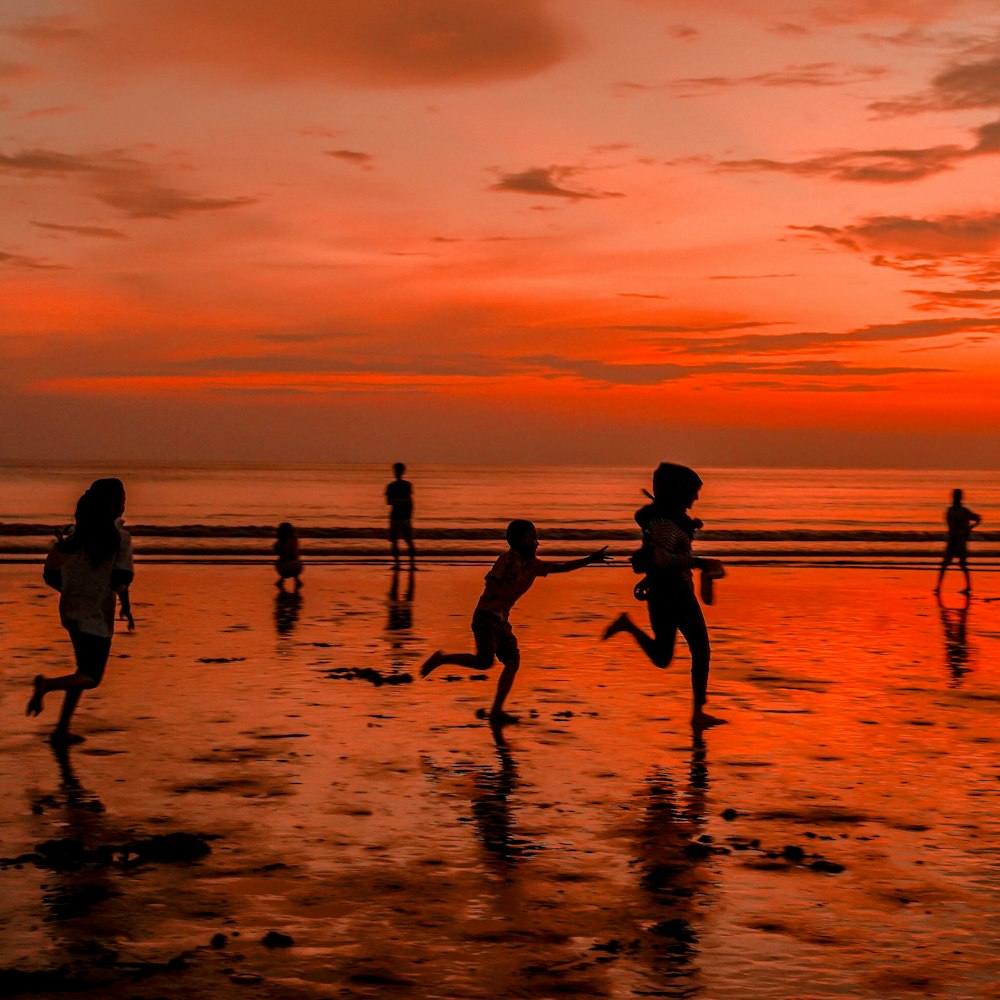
(956, 497)
(285, 531)
(522, 537)
(398, 469)
(675, 486)
(111, 492)
(95, 530)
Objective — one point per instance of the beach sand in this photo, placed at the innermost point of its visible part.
(837, 838)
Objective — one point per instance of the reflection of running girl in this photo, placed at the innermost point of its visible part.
(961, 521)
(90, 567)
(667, 531)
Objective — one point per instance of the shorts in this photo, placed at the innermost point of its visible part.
(92, 652)
(957, 548)
(401, 529)
(287, 570)
(494, 639)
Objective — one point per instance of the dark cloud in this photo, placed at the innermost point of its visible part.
(548, 182)
(100, 231)
(875, 166)
(965, 298)
(363, 160)
(126, 184)
(964, 85)
(380, 43)
(31, 263)
(963, 247)
(683, 32)
(790, 343)
(611, 373)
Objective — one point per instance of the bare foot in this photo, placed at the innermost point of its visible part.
(500, 719)
(35, 701)
(620, 624)
(701, 721)
(431, 663)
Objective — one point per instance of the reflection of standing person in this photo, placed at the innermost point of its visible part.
(399, 497)
(90, 567)
(956, 643)
(288, 564)
(960, 521)
(667, 531)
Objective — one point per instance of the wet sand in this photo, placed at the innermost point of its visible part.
(837, 838)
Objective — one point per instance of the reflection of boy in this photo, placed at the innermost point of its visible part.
(399, 497)
(511, 576)
(960, 522)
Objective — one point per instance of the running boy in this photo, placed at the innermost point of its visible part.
(511, 576)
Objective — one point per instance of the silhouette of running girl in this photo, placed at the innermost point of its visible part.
(961, 521)
(667, 561)
(91, 567)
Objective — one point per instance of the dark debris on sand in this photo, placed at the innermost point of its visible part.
(368, 674)
(70, 852)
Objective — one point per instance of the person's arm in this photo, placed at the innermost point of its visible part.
(52, 571)
(125, 608)
(974, 518)
(568, 565)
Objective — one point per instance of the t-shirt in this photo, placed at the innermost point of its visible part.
(509, 578)
(86, 598)
(399, 495)
(671, 546)
(960, 520)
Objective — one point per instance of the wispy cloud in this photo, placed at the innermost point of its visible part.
(17, 260)
(822, 74)
(811, 341)
(549, 182)
(99, 231)
(132, 187)
(617, 374)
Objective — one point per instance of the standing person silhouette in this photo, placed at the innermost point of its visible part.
(667, 531)
(960, 521)
(90, 567)
(399, 497)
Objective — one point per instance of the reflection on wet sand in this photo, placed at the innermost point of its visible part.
(399, 621)
(287, 608)
(672, 847)
(955, 622)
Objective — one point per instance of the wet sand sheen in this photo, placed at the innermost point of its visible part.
(836, 838)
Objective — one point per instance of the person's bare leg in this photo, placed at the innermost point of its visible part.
(439, 658)
(498, 717)
(944, 565)
(395, 552)
(650, 646)
(968, 581)
(74, 685)
(37, 700)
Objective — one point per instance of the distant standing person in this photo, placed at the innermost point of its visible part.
(91, 567)
(288, 564)
(399, 497)
(961, 521)
(511, 576)
(667, 560)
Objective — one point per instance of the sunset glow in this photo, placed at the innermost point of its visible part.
(756, 231)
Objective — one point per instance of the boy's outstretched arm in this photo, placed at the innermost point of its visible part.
(600, 556)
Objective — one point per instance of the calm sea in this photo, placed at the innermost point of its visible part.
(229, 511)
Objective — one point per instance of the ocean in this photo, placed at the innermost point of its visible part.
(226, 512)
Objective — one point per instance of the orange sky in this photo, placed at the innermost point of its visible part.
(601, 231)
